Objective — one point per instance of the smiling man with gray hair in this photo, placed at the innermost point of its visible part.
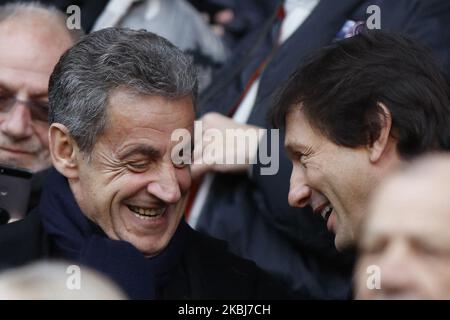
(116, 200)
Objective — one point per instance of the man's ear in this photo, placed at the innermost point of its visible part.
(63, 150)
(380, 145)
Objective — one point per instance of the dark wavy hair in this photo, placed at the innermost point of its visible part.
(340, 88)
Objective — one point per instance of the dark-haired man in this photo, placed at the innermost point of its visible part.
(352, 113)
(251, 211)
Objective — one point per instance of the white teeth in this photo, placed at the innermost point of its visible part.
(142, 217)
(144, 213)
(326, 212)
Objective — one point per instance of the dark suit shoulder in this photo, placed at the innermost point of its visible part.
(223, 275)
(22, 241)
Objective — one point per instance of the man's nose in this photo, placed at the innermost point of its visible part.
(17, 123)
(299, 191)
(395, 266)
(166, 187)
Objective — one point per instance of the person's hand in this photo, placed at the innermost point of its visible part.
(225, 146)
(220, 19)
(224, 16)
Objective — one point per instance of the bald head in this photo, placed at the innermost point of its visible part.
(35, 11)
(407, 233)
(32, 39)
(56, 280)
(420, 191)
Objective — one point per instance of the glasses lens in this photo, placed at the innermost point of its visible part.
(6, 101)
(39, 110)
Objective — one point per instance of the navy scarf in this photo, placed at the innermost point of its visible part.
(78, 239)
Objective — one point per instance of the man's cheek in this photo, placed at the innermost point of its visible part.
(184, 179)
(42, 133)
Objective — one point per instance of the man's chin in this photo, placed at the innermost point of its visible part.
(149, 238)
(150, 247)
(343, 242)
(33, 166)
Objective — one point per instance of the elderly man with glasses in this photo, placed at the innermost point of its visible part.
(32, 38)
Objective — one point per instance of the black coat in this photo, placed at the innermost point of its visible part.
(207, 270)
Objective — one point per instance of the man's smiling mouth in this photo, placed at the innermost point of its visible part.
(325, 211)
(146, 213)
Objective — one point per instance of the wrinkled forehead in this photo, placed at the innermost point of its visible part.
(411, 206)
(133, 116)
(124, 102)
(29, 52)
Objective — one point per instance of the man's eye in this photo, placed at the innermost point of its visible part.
(425, 249)
(303, 156)
(181, 164)
(42, 106)
(4, 96)
(302, 159)
(183, 159)
(373, 246)
(137, 166)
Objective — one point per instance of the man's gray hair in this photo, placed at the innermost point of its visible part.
(106, 60)
(23, 10)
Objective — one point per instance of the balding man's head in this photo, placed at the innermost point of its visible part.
(28, 14)
(56, 280)
(406, 233)
(32, 38)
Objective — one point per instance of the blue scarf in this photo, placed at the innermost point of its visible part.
(78, 239)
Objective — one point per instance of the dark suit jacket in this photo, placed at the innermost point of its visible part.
(253, 214)
(207, 270)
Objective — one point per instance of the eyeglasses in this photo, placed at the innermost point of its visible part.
(38, 109)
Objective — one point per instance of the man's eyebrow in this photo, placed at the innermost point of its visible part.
(293, 147)
(427, 239)
(144, 150)
(40, 95)
(34, 93)
(5, 87)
